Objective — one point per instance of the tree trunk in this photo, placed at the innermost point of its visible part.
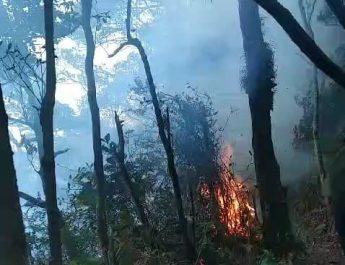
(168, 151)
(48, 158)
(96, 131)
(13, 250)
(259, 85)
(164, 136)
(316, 114)
(304, 42)
(120, 157)
(338, 8)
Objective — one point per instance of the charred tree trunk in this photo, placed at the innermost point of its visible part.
(120, 158)
(96, 131)
(48, 158)
(164, 133)
(304, 42)
(13, 250)
(259, 85)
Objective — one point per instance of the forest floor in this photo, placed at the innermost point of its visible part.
(310, 218)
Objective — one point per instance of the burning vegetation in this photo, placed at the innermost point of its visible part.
(234, 200)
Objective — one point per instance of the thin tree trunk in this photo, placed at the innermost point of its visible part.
(193, 212)
(13, 249)
(120, 157)
(96, 131)
(259, 85)
(304, 42)
(338, 8)
(169, 153)
(164, 136)
(48, 158)
(306, 18)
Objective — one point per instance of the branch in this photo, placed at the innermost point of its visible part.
(338, 8)
(120, 158)
(128, 19)
(168, 126)
(60, 152)
(20, 121)
(121, 144)
(304, 42)
(306, 20)
(311, 13)
(32, 201)
(118, 49)
(128, 31)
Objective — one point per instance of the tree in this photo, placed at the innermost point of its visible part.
(164, 131)
(96, 131)
(259, 83)
(306, 17)
(304, 42)
(12, 237)
(48, 158)
(120, 158)
(27, 74)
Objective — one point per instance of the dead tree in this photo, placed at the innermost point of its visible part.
(13, 249)
(47, 124)
(102, 224)
(163, 133)
(304, 42)
(259, 84)
(120, 159)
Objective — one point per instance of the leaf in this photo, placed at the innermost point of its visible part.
(9, 46)
(107, 138)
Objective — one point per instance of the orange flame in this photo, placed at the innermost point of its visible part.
(234, 201)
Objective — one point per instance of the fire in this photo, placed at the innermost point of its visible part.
(234, 201)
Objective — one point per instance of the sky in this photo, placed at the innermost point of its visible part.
(194, 42)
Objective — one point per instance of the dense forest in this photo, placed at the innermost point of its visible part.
(144, 132)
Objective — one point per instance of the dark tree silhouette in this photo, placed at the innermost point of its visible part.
(306, 18)
(13, 250)
(259, 84)
(96, 131)
(338, 8)
(120, 158)
(304, 42)
(48, 158)
(164, 133)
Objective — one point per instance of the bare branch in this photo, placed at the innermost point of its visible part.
(338, 8)
(20, 121)
(118, 49)
(60, 152)
(32, 201)
(304, 42)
